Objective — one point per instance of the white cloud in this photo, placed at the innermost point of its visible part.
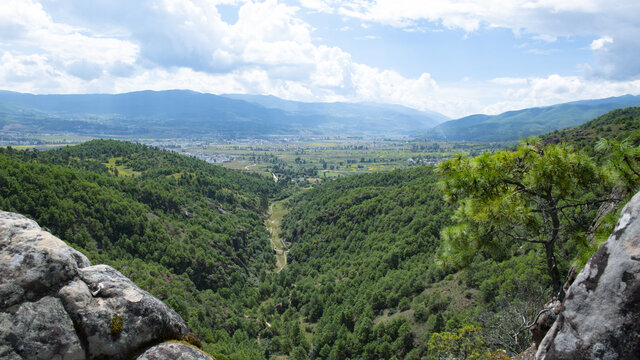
(546, 20)
(509, 81)
(367, 37)
(598, 44)
(518, 93)
(41, 55)
(332, 68)
(317, 5)
(35, 73)
(543, 18)
(76, 46)
(186, 44)
(545, 37)
(372, 85)
(616, 58)
(33, 31)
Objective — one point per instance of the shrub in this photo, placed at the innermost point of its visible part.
(193, 339)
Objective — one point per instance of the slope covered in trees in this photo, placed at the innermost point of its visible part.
(361, 261)
(190, 232)
(368, 275)
(371, 279)
(618, 124)
(366, 279)
(612, 140)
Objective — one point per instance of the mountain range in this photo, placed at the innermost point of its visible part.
(359, 116)
(182, 113)
(513, 125)
(187, 114)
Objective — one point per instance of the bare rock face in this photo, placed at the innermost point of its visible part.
(32, 261)
(601, 316)
(173, 351)
(55, 305)
(30, 330)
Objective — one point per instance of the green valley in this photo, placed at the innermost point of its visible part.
(330, 267)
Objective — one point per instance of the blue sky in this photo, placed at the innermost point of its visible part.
(452, 55)
(457, 57)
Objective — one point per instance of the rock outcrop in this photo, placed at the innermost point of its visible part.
(174, 351)
(55, 305)
(601, 311)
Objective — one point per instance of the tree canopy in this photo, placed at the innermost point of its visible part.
(535, 194)
(189, 232)
(364, 279)
(623, 158)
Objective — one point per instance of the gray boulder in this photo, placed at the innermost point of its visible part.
(33, 262)
(601, 315)
(173, 351)
(117, 317)
(30, 329)
(55, 305)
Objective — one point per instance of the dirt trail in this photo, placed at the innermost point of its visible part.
(276, 212)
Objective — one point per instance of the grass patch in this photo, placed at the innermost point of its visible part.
(120, 170)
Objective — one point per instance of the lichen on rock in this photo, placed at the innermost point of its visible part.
(116, 324)
(601, 312)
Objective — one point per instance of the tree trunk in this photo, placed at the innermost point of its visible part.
(552, 266)
(549, 248)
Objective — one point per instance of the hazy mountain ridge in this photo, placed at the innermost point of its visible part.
(183, 113)
(174, 112)
(516, 124)
(363, 114)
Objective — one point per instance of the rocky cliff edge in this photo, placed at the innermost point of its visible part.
(55, 305)
(600, 318)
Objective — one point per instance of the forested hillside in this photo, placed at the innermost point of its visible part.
(363, 250)
(189, 232)
(434, 262)
(612, 139)
(618, 124)
(366, 281)
(371, 278)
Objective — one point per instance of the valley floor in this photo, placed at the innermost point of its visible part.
(276, 211)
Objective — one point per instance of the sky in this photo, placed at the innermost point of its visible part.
(456, 57)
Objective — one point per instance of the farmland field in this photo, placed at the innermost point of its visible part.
(317, 159)
(312, 159)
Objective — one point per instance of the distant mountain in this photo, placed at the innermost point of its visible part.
(164, 113)
(513, 125)
(357, 114)
(182, 113)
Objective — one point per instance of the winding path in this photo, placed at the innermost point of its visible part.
(276, 212)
